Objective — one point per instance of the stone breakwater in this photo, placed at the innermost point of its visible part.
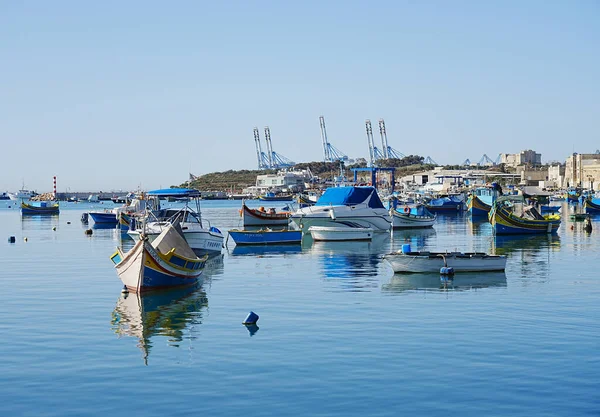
(43, 197)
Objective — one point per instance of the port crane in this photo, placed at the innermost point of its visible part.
(263, 159)
(330, 153)
(276, 160)
(429, 160)
(388, 151)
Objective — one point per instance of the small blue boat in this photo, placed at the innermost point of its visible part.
(105, 217)
(266, 236)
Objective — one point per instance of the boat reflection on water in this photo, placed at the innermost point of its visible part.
(39, 222)
(507, 244)
(479, 226)
(435, 282)
(417, 238)
(265, 250)
(162, 313)
(350, 262)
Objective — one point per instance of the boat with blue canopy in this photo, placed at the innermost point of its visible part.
(359, 204)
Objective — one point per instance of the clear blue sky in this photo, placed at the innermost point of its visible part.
(116, 94)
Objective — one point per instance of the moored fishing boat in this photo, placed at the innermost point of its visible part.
(481, 199)
(44, 207)
(276, 197)
(591, 207)
(424, 261)
(262, 217)
(167, 261)
(409, 218)
(343, 232)
(509, 215)
(265, 236)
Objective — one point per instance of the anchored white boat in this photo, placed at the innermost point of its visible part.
(202, 239)
(407, 261)
(344, 231)
(355, 204)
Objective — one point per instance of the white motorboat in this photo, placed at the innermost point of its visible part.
(424, 261)
(359, 205)
(202, 239)
(344, 231)
(22, 195)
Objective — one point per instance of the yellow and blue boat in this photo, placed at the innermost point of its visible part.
(510, 216)
(44, 207)
(167, 261)
(591, 207)
(482, 199)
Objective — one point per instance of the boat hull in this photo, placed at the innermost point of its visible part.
(107, 217)
(327, 234)
(591, 207)
(265, 237)
(410, 221)
(461, 262)
(252, 217)
(28, 209)
(142, 269)
(505, 223)
(377, 219)
(201, 241)
(477, 207)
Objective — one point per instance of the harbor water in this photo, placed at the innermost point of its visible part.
(339, 334)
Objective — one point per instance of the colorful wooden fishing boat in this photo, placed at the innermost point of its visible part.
(480, 201)
(262, 217)
(44, 207)
(591, 207)
(276, 197)
(167, 261)
(509, 215)
(411, 218)
(265, 236)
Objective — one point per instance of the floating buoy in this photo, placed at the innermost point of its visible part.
(25, 239)
(251, 319)
(68, 222)
(88, 232)
(446, 270)
(54, 228)
(11, 239)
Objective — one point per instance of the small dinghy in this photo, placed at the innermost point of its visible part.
(265, 236)
(345, 231)
(407, 261)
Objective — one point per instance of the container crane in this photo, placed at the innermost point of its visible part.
(429, 160)
(263, 160)
(388, 151)
(485, 160)
(374, 153)
(330, 153)
(276, 160)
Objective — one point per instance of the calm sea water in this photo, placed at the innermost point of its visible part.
(339, 334)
